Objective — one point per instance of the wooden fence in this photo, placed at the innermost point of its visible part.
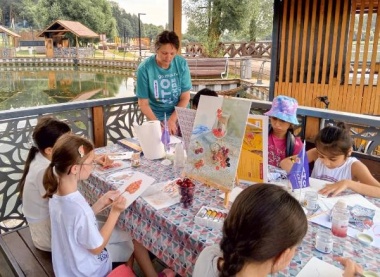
(330, 48)
(252, 49)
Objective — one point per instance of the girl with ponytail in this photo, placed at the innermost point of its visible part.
(31, 188)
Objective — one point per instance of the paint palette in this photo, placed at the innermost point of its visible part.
(211, 217)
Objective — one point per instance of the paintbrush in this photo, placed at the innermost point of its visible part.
(113, 202)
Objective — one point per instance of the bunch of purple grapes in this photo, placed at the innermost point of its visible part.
(220, 156)
(186, 189)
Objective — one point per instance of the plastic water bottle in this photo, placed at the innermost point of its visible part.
(340, 217)
(179, 155)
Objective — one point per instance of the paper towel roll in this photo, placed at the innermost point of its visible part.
(149, 135)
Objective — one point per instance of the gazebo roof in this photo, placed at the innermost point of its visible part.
(9, 32)
(60, 27)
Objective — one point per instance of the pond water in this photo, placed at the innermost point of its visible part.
(30, 87)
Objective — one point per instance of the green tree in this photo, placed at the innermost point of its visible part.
(151, 31)
(212, 21)
(216, 17)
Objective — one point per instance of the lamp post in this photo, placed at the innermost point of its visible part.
(140, 32)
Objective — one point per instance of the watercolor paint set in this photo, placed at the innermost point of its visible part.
(211, 217)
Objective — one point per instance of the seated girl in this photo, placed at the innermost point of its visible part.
(252, 244)
(281, 141)
(259, 239)
(334, 164)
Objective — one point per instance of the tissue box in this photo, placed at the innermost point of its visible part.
(211, 217)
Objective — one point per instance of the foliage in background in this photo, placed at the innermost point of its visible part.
(209, 21)
(101, 16)
(212, 21)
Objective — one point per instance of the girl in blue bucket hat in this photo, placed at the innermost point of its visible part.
(281, 141)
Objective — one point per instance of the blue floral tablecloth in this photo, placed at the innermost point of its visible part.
(172, 235)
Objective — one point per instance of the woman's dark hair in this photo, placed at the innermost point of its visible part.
(264, 221)
(334, 139)
(45, 134)
(167, 37)
(66, 153)
(204, 91)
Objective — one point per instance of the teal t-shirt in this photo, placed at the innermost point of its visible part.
(163, 87)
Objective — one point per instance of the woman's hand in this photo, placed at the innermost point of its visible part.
(103, 160)
(172, 126)
(350, 267)
(334, 189)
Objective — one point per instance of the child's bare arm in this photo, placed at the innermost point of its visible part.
(362, 182)
(106, 231)
(287, 163)
(105, 200)
(312, 155)
(366, 184)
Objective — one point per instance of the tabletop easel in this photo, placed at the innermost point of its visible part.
(225, 190)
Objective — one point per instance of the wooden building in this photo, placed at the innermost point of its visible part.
(327, 48)
(57, 43)
(7, 43)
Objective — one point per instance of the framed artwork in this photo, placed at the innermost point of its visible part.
(216, 139)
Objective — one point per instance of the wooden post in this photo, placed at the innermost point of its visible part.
(76, 41)
(98, 126)
(175, 19)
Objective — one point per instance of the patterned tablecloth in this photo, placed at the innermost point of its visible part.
(172, 235)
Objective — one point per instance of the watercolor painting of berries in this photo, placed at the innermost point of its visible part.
(216, 139)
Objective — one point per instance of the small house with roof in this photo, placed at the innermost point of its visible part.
(57, 39)
(7, 43)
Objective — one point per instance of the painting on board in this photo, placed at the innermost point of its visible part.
(216, 139)
(253, 164)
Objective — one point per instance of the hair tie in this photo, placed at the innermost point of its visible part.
(55, 173)
(52, 164)
(81, 151)
(32, 143)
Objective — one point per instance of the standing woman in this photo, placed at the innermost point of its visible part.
(163, 81)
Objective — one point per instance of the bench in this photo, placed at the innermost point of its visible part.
(208, 67)
(22, 257)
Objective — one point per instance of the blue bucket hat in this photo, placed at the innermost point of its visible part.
(284, 108)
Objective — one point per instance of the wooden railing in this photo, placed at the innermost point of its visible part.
(109, 120)
(259, 49)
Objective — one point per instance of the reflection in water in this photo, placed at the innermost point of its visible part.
(29, 87)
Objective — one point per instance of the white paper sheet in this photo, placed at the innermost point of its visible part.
(351, 200)
(174, 140)
(116, 165)
(132, 196)
(318, 268)
(162, 195)
(233, 194)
